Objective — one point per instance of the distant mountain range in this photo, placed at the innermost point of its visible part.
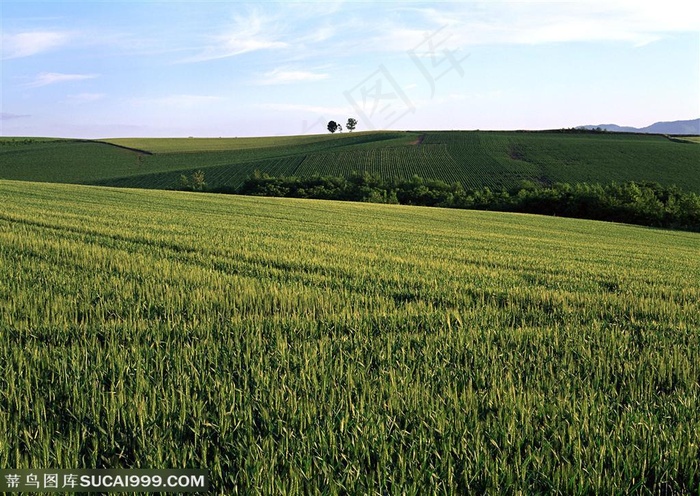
(674, 127)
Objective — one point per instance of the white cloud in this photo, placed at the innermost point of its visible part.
(237, 44)
(47, 78)
(86, 97)
(531, 23)
(7, 116)
(179, 101)
(32, 42)
(282, 76)
(319, 35)
(311, 109)
(248, 34)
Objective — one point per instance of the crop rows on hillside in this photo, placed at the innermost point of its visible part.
(597, 158)
(268, 144)
(67, 161)
(477, 165)
(505, 159)
(222, 176)
(426, 161)
(475, 159)
(100, 162)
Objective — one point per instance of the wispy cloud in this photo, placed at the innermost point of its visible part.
(48, 78)
(7, 116)
(285, 76)
(307, 30)
(179, 101)
(311, 109)
(86, 97)
(531, 23)
(32, 43)
(248, 34)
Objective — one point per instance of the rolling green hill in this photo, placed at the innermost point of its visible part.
(473, 158)
(318, 347)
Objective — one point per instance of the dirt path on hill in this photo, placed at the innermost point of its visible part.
(419, 140)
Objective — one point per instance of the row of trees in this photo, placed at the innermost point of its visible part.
(350, 125)
(644, 203)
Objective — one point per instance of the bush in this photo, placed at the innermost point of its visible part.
(647, 203)
(195, 182)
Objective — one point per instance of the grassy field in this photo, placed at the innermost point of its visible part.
(158, 163)
(311, 347)
(495, 159)
(190, 145)
(507, 157)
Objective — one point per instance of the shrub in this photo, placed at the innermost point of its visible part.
(638, 203)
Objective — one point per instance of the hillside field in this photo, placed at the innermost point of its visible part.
(476, 159)
(318, 347)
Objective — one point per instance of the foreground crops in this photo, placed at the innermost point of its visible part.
(317, 347)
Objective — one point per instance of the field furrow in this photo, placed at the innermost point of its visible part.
(299, 346)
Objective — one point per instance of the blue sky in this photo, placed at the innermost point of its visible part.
(96, 69)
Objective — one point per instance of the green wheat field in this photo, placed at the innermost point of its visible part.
(315, 347)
